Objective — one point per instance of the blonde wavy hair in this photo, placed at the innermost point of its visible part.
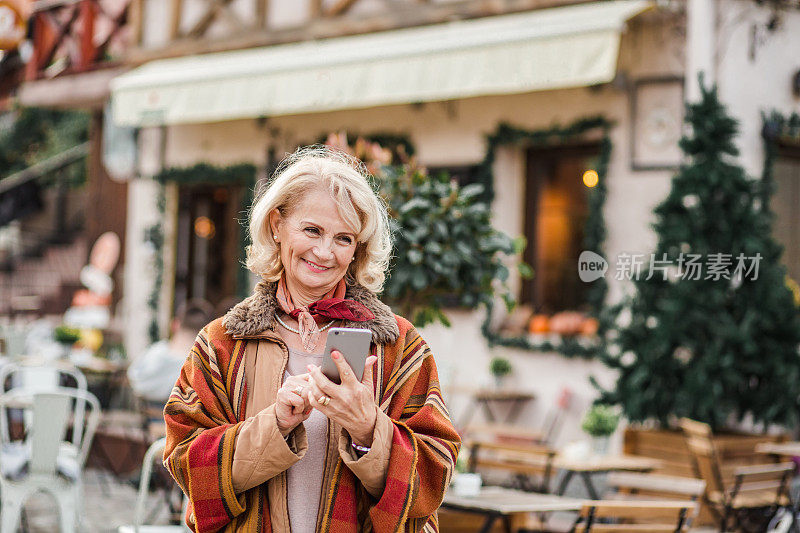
(359, 206)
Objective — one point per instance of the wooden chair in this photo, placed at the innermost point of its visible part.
(734, 494)
(617, 516)
(640, 486)
(531, 466)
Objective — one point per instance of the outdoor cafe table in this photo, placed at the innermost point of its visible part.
(499, 502)
(483, 399)
(590, 467)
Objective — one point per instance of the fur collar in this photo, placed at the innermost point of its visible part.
(256, 313)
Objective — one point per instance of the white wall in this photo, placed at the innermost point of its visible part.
(751, 84)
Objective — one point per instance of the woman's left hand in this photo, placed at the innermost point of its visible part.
(352, 404)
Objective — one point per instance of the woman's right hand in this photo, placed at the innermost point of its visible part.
(291, 406)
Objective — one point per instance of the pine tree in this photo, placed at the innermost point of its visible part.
(709, 349)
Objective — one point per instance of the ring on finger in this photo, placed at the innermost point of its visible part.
(324, 400)
(298, 390)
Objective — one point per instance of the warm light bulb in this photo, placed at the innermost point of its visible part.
(204, 227)
(590, 178)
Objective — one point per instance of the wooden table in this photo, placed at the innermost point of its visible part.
(502, 503)
(588, 468)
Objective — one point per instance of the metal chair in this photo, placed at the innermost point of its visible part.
(44, 460)
(155, 450)
(38, 376)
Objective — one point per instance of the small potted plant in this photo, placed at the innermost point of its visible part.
(66, 337)
(500, 367)
(600, 422)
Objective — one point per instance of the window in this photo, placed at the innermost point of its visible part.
(207, 243)
(556, 208)
(786, 203)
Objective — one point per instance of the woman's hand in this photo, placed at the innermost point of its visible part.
(352, 403)
(292, 407)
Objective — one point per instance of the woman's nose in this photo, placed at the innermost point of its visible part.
(324, 249)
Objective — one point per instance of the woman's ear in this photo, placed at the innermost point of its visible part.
(274, 222)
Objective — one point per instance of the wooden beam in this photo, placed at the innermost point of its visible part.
(339, 8)
(48, 32)
(316, 9)
(135, 18)
(224, 9)
(119, 21)
(262, 12)
(46, 5)
(88, 52)
(202, 25)
(411, 15)
(175, 19)
(215, 8)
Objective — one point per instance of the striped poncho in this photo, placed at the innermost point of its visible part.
(208, 403)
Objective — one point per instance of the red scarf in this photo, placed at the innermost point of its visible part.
(332, 306)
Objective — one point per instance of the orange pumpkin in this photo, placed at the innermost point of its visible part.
(539, 324)
(589, 327)
(567, 323)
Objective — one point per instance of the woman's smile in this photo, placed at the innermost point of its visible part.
(315, 267)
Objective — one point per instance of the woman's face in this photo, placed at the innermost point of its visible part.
(316, 245)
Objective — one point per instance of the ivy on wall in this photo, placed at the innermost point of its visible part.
(595, 230)
(201, 174)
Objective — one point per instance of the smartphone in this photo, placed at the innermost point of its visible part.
(354, 346)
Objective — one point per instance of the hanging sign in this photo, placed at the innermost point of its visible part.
(13, 23)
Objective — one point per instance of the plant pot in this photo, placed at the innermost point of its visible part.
(466, 484)
(499, 382)
(600, 445)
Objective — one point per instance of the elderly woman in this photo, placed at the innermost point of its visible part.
(258, 438)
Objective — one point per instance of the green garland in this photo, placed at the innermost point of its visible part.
(243, 174)
(154, 235)
(595, 229)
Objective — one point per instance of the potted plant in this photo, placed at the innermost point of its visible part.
(500, 367)
(66, 337)
(600, 422)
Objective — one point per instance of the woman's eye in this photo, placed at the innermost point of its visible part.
(312, 231)
(346, 240)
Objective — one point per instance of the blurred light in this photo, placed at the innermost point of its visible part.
(590, 178)
(204, 227)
